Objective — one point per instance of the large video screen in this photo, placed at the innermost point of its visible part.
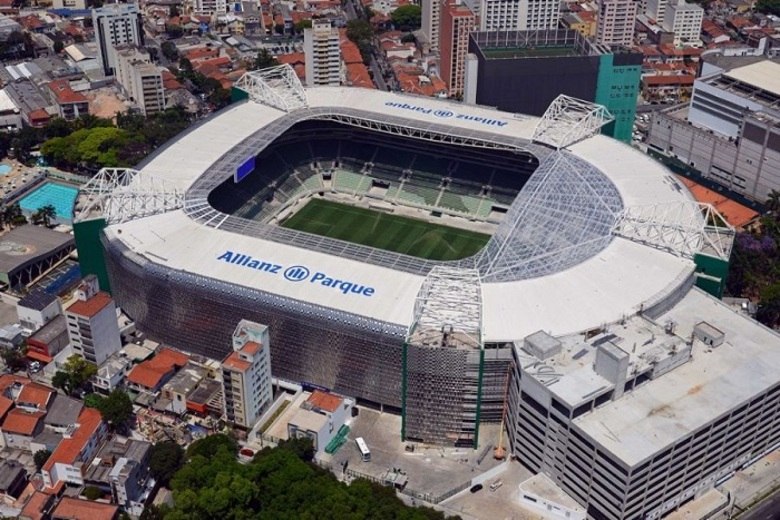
(245, 169)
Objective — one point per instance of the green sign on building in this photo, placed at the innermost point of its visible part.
(617, 88)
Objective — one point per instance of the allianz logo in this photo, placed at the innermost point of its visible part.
(296, 273)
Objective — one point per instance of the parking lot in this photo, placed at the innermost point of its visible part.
(431, 470)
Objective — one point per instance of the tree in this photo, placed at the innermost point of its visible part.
(153, 512)
(13, 358)
(265, 60)
(45, 215)
(174, 31)
(40, 457)
(79, 371)
(170, 51)
(302, 25)
(165, 460)
(361, 34)
(768, 7)
(116, 409)
(58, 46)
(303, 448)
(93, 493)
(62, 381)
(93, 401)
(773, 201)
(209, 446)
(407, 17)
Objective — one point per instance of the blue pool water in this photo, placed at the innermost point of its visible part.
(58, 195)
(4, 169)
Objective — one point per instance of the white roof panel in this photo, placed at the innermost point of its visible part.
(761, 74)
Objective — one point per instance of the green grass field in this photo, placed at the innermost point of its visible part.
(384, 231)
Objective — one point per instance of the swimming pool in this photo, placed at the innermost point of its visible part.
(4, 169)
(60, 196)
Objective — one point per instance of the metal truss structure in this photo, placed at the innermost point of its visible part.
(448, 309)
(122, 194)
(278, 87)
(681, 228)
(568, 120)
(564, 214)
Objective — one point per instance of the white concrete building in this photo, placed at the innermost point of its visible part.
(246, 375)
(323, 54)
(139, 79)
(210, 7)
(616, 22)
(92, 324)
(655, 10)
(514, 15)
(431, 16)
(116, 24)
(69, 4)
(36, 309)
(319, 418)
(684, 20)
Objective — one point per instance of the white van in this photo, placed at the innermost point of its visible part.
(496, 484)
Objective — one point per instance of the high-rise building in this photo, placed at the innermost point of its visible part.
(116, 24)
(431, 19)
(457, 22)
(322, 54)
(524, 71)
(518, 15)
(139, 79)
(655, 10)
(92, 323)
(246, 375)
(684, 20)
(616, 22)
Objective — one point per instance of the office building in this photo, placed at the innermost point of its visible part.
(246, 375)
(116, 24)
(635, 419)
(92, 323)
(431, 19)
(139, 79)
(684, 20)
(730, 131)
(616, 22)
(457, 22)
(322, 54)
(523, 72)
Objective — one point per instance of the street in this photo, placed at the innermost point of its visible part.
(768, 509)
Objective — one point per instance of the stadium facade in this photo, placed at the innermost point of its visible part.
(626, 383)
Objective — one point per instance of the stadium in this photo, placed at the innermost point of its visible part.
(396, 246)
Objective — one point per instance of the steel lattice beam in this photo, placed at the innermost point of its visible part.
(448, 309)
(568, 120)
(278, 87)
(682, 228)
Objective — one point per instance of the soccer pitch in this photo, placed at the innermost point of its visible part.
(384, 231)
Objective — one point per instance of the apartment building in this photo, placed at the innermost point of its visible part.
(139, 79)
(457, 22)
(684, 20)
(616, 22)
(116, 24)
(322, 54)
(92, 323)
(246, 375)
(431, 20)
(517, 15)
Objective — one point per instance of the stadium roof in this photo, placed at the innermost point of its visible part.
(578, 270)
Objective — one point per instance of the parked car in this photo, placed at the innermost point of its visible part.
(475, 488)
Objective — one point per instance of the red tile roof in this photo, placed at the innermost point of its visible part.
(325, 401)
(71, 508)
(234, 361)
(36, 505)
(22, 423)
(65, 94)
(251, 348)
(38, 356)
(91, 307)
(735, 213)
(7, 380)
(5, 405)
(149, 373)
(681, 79)
(69, 450)
(36, 394)
(358, 76)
